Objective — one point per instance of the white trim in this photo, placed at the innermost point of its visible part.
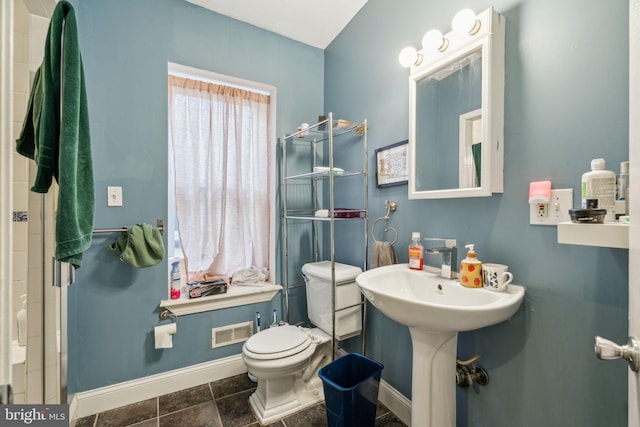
(466, 139)
(222, 79)
(395, 401)
(490, 39)
(102, 399)
(6, 189)
(235, 296)
(633, 381)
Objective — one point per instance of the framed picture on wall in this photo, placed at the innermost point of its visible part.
(392, 164)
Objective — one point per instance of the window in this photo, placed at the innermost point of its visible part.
(221, 172)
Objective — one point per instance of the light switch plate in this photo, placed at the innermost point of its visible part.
(556, 211)
(114, 196)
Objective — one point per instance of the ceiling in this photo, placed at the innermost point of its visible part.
(312, 22)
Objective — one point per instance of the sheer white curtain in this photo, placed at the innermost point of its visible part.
(221, 162)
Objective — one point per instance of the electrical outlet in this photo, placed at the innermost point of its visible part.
(542, 210)
(555, 212)
(114, 196)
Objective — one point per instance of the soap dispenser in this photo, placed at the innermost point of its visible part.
(471, 269)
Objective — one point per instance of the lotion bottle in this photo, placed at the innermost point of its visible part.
(600, 184)
(416, 252)
(471, 269)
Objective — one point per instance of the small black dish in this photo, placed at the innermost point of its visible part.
(587, 216)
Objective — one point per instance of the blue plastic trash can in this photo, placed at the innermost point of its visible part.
(351, 390)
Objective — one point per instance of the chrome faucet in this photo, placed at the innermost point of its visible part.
(449, 254)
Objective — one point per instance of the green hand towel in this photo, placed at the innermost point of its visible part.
(56, 135)
(141, 246)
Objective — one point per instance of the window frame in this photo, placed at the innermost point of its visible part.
(212, 77)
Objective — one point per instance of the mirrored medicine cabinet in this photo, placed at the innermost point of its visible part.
(456, 113)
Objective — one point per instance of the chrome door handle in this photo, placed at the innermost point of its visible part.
(608, 350)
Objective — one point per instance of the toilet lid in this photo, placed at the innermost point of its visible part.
(285, 339)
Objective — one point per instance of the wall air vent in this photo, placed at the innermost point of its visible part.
(231, 334)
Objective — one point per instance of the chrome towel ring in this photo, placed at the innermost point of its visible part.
(391, 207)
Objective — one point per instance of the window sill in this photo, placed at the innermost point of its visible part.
(235, 296)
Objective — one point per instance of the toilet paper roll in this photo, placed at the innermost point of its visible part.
(163, 335)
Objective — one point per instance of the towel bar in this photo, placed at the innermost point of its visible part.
(160, 225)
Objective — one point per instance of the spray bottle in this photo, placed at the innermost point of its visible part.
(175, 280)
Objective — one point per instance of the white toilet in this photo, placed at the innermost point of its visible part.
(286, 360)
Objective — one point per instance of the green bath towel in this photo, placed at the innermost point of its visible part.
(141, 246)
(56, 135)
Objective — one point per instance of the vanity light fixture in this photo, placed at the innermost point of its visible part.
(434, 40)
(465, 22)
(409, 56)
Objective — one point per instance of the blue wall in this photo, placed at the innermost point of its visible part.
(126, 46)
(566, 102)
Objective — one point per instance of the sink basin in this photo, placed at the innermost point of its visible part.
(435, 310)
(423, 300)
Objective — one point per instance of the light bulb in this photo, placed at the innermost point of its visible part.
(408, 56)
(465, 22)
(434, 40)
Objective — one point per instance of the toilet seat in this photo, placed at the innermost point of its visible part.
(277, 343)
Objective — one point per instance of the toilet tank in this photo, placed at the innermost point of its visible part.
(317, 276)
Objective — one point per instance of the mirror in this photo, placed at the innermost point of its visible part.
(456, 115)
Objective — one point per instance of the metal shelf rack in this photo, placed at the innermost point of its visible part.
(323, 136)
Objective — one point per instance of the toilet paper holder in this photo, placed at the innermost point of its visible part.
(167, 314)
(163, 334)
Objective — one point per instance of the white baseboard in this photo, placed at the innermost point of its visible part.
(395, 401)
(102, 399)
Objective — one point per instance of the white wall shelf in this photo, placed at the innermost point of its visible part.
(609, 234)
(235, 296)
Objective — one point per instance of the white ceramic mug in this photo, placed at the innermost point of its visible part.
(495, 277)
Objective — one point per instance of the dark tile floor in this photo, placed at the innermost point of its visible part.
(223, 403)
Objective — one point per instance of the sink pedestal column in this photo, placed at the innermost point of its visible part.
(433, 386)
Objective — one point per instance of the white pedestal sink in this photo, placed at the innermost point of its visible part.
(435, 310)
